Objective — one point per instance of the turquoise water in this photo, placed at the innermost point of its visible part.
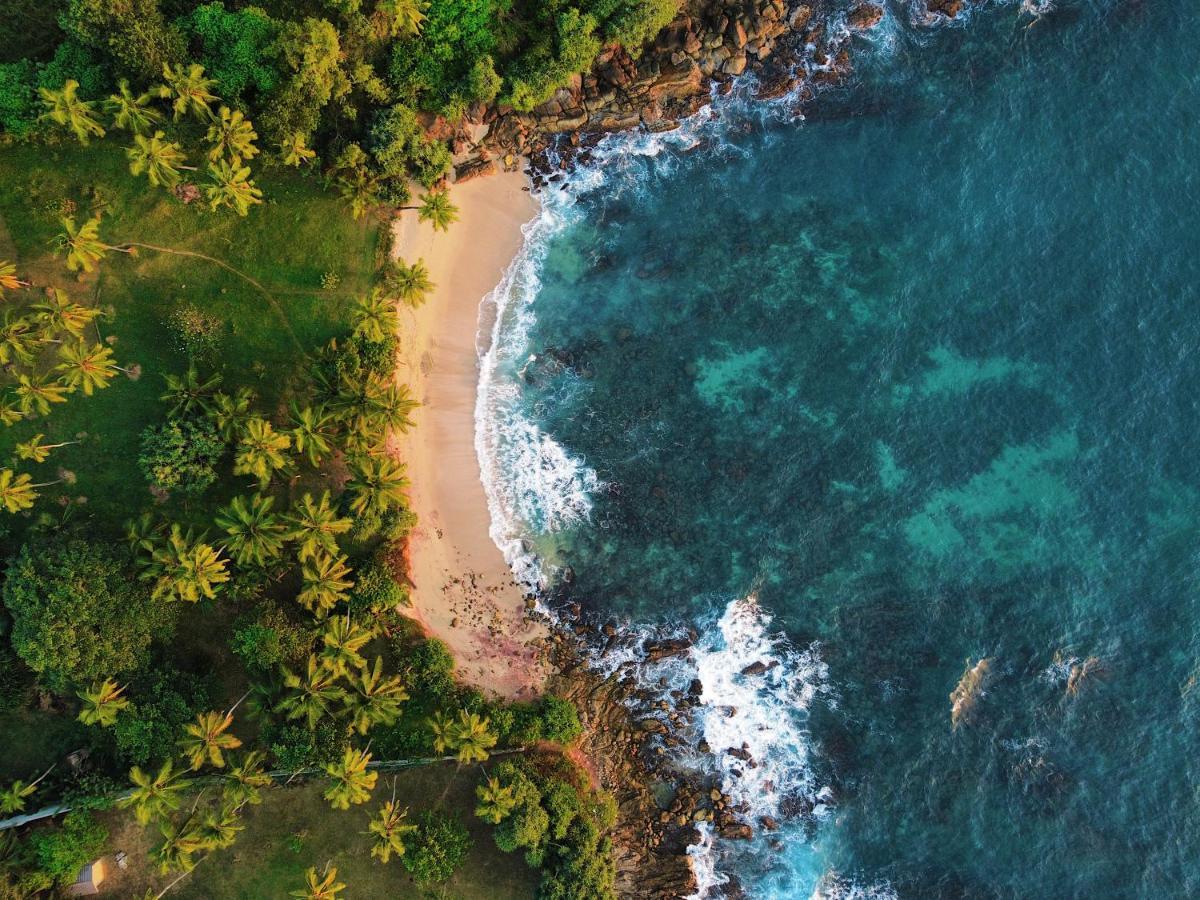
(880, 394)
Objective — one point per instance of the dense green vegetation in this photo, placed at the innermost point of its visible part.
(200, 590)
(350, 83)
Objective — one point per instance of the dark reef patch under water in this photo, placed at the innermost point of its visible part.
(921, 374)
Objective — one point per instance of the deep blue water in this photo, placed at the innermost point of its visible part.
(905, 386)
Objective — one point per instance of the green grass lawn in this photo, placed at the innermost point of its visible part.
(294, 828)
(287, 244)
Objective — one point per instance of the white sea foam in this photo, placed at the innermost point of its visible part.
(835, 887)
(704, 864)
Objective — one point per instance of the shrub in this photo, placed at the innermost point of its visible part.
(197, 331)
(72, 60)
(442, 843)
(375, 590)
(61, 852)
(234, 47)
(162, 702)
(560, 720)
(268, 639)
(79, 613)
(295, 747)
(18, 98)
(181, 455)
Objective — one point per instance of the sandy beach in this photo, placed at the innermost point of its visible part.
(463, 591)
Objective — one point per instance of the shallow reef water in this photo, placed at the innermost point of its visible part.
(878, 394)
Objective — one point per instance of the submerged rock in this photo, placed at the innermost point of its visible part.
(969, 689)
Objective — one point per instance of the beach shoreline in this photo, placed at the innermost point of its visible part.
(462, 589)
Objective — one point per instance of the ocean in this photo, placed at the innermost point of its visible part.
(901, 399)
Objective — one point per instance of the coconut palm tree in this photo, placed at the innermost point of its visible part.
(154, 796)
(8, 277)
(60, 315)
(437, 210)
(255, 533)
(161, 160)
(352, 780)
(312, 696)
(144, 533)
(65, 108)
(82, 245)
(362, 189)
(469, 737)
(341, 639)
(375, 317)
(10, 409)
(232, 187)
(231, 133)
(36, 450)
(206, 740)
(496, 801)
(12, 798)
(399, 18)
(184, 567)
(246, 780)
(409, 283)
(189, 393)
(20, 337)
(261, 451)
(390, 830)
(131, 112)
(188, 90)
(312, 432)
(231, 413)
(320, 887)
(314, 526)
(87, 367)
(37, 393)
(376, 698)
(218, 829)
(178, 847)
(295, 151)
(17, 492)
(101, 703)
(377, 484)
(326, 581)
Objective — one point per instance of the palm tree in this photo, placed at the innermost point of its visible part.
(189, 393)
(437, 210)
(390, 830)
(160, 159)
(178, 847)
(10, 409)
(205, 740)
(188, 90)
(376, 486)
(154, 796)
(255, 533)
(231, 132)
(19, 338)
(35, 450)
(320, 887)
(312, 432)
(59, 315)
(89, 368)
(260, 452)
(129, 111)
(496, 801)
(12, 799)
(341, 640)
(83, 245)
(37, 393)
(362, 189)
(8, 277)
(65, 108)
(326, 581)
(246, 779)
(101, 703)
(144, 533)
(315, 526)
(409, 283)
(219, 829)
(185, 568)
(232, 187)
(352, 781)
(375, 316)
(17, 493)
(231, 413)
(295, 151)
(400, 17)
(376, 699)
(470, 737)
(312, 696)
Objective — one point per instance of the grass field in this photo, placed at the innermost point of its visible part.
(294, 828)
(287, 245)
